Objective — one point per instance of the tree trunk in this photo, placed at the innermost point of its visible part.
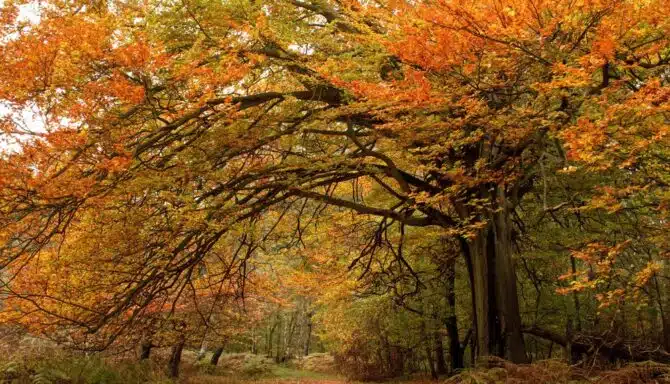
(145, 350)
(496, 317)
(175, 359)
(427, 350)
(202, 351)
(575, 296)
(451, 323)
(441, 364)
(215, 357)
(290, 332)
(487, 334)
(279, 339)
(507, 297)
(666, 331)
(665, 321)
(271, 338)
(253, 341)
(429, 360)
(308, 337)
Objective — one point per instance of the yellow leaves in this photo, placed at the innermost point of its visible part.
(509, 11)
(599, 260)
(612, 199)
(610, 298)
(643, 277)
(585, 142)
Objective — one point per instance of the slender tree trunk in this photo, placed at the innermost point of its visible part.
(455, 350)
(279, 339)
(215, 357)
(497, 345)
(202, 351)
(441, 364)
(253, 341)
(145, 350)
(175, 359)
(665, 321)
(429, 360)
(575, 297)
(308, 337)
(271, 338)
(427, 350)
(290, 331)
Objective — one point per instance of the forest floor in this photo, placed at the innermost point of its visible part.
(246, 368)
(43, 363)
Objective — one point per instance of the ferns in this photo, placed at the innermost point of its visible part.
(72, 370)
(49, 376)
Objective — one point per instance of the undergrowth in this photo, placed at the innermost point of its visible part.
(558, 372)
(78, 370)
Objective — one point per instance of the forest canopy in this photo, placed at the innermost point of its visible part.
(407, 185)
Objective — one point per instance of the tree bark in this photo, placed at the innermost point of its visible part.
(215, 357)
(175, 359)
(479, 286)
(496, 317)
(507, 297)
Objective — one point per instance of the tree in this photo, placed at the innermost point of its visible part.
(198, 117)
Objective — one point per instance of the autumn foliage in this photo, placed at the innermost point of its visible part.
(489, 175)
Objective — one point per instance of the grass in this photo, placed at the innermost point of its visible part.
(279, 374)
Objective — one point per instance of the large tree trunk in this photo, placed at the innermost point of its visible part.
(496, 317)
(666, 330)
(175, 359)
(487, 334)
(215, 357)
(507, 297)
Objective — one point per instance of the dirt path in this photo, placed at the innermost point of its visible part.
(210, 379)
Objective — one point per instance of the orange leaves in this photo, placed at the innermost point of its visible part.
(136, 55)
(605, 47)
(414, 90)
(116, 164)
(585, 141)
(51, 56)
